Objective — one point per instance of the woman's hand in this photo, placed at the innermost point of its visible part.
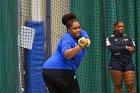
(130, 48)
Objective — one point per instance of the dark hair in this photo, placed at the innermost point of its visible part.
(115, 24)
(69, 18)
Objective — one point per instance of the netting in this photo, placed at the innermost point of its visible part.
(37, 25)
(57, 29)
(31, 51)
(8, 47)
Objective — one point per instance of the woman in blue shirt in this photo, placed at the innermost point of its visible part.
(59, 70)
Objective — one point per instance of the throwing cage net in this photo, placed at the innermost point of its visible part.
(31, 29)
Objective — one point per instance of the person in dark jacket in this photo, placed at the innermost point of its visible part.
(121, 64)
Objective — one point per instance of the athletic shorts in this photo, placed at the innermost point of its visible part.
(60, 81)
(122, 67)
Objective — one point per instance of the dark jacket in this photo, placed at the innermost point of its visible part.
(117, 45)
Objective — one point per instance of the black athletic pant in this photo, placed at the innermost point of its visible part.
(60, 81)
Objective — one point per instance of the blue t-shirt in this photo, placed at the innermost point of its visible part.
(58, 60)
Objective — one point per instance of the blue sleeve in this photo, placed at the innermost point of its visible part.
(66, 44)
(112, 47)
(84, 34)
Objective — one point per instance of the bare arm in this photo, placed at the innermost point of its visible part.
(72, 52)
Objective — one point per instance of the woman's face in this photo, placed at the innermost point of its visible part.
(120, 28)
(75, 29)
